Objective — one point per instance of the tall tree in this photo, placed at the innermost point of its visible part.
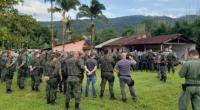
(65, 7)
(94, 11)
(51, 10)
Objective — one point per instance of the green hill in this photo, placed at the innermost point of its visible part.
(117, 24)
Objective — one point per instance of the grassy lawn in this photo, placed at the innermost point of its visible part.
(152, 95)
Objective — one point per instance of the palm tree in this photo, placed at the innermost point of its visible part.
(65, 6)
(52, 30)
(94, 11)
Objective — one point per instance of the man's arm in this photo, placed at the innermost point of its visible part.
(132, 60)
(86, 69)
(95, 68)
(184, 70)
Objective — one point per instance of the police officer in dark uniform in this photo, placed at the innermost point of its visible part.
(123, 67)
(107, 64)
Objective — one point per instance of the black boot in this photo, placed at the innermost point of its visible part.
(33, 88)
(112, 97)
(77, 106)
(48, 101)
(67, 106)
(101, 95)
(37, 89)
(124, 100)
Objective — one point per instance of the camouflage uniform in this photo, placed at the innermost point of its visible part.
(1, 66)
(163, 64)
(73, 81)
(170, 62)
(35, 73)
(61, 84)
(22, 71)
(144, 65)
(81, 71)
(51, 71)
(3, 62)
(107, 66)
(9, 72)
(150, 61)
(191, 89)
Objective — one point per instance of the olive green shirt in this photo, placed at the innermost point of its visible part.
(190, 71)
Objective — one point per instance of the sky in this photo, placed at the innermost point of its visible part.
(118, 8)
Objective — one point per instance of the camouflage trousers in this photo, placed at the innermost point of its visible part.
(21, 79)
(107, 76)
(170, 66)
(8, 79)
(51, 89)
(163, 75)
(75, 88)
(191, 94)
(35, 80)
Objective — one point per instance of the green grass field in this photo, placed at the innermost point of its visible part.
(152, 95)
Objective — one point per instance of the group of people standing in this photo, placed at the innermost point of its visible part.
(65, 71)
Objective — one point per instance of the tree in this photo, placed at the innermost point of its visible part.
(128, 32)
(104, 35)
(8, 5)
(52, 10)
(65, 7)
(94, 11)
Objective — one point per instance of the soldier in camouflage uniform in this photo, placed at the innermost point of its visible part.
(22, 69)
(107, 64)
(150, 60)
(51, 74)
(0, 64)
(163, 66)
(9, 71)
(73, 65)
(171, 58)
(81, 70)
(191, 89)
(144, 64)
(3, 62)
(35, 72)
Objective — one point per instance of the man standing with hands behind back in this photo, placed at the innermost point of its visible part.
(90, 68)
(191, 89)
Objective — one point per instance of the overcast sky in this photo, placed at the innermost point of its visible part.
(118, 8)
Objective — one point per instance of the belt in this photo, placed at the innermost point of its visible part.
(125, 75)
(107, 71)
(184, 86)
(192, 81)
(73, 75)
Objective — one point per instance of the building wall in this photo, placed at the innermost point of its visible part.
(116, 49)
(182, 49)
